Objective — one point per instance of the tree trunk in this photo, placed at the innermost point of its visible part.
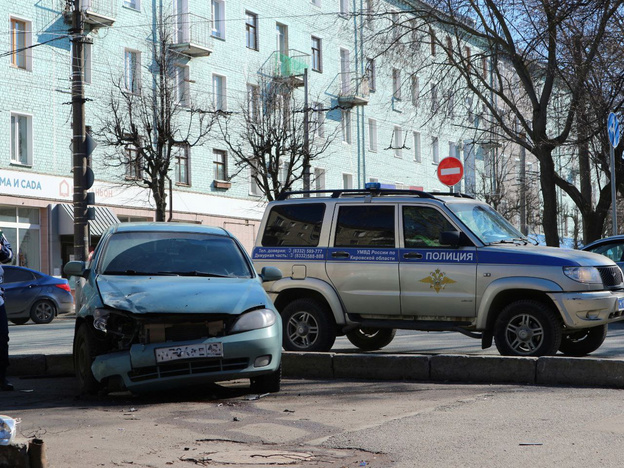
(549, 196)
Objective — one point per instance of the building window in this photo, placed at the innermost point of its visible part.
(346, 126)
(181, 158)
(218, 19)
(435, 147)
(344, 7)
(21, 41)
(132, 71)
(317, 54)
(253, 103)
(254, 188)
(417, 150)
(468, 58)
(133, 164)
(134, 4)
(182, 85)
(372, 134)
(347, 181)
(345, 72)
(21, 226)
(397, 144)
(434, 97)
(281, 40)
(371, 75)
(433, 39)
(484, 68)
(219, 92)
(251, 30)
(220, 165)
(319, 179)
(396, 84)
(21, 139)
(415, 90)
(318, 119)
(453, 150)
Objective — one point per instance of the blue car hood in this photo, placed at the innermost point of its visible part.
(181, 294)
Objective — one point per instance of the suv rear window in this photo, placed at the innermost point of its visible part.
(365, 226)
(294, 225)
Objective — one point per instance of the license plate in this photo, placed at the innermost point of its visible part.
(621, 303)
(195, 351)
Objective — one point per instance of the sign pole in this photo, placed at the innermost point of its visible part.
(613, 130)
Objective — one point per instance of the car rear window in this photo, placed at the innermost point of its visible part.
(365, 226)
(297, 225)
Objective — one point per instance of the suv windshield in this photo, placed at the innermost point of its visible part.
(486, 223)
(173, 253)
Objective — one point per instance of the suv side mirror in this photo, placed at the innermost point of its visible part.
(270, 273)
(74, 268)
(452, 238)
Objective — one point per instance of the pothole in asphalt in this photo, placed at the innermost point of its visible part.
(253, 457)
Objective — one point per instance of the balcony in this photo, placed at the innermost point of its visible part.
(289, 66)
(352, 91)
(99, 13)
(192, 35)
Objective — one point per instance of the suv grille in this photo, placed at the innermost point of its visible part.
(611, 276)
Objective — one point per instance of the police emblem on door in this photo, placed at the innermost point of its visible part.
(437, 280)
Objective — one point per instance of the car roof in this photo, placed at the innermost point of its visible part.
(156, 226)
(604, 240)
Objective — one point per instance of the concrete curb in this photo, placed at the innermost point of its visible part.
(574, 372)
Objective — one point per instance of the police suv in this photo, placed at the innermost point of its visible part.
(363, 263)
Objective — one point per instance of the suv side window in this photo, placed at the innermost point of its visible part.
(365, 226)
(422, 227)
(294, 225)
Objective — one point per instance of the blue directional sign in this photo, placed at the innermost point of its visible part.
(613, 128)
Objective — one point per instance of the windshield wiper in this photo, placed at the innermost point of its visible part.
(515, 240)
(138, 273)
(196, 273)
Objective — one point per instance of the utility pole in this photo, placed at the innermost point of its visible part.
(79, 156)
(306, 135)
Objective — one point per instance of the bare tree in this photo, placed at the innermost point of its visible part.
(152, 126)
(271, 136)
(521, 62)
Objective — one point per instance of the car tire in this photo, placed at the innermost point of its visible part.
(371, 339)
(43, 311)
(268, 383)
(19, 321)
(307, 326)
(527, 328)
(85, 351)
(583, 342)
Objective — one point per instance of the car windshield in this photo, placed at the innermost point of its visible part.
(173, 253)
(486, 223)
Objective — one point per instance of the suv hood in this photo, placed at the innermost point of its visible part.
(181, 294)
(540, 255)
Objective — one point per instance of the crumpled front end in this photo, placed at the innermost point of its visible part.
(160, 351)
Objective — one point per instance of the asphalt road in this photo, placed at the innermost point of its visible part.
(56, 338)
(320, 423)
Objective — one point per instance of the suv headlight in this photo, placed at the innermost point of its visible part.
(259, 318)
(100, 319)
(583, 274)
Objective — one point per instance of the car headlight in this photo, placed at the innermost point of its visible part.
(260, 318)
(100, 319)
(583, 274)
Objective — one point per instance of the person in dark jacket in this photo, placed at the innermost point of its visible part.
(6, 255)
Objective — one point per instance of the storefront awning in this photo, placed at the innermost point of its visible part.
(104, 218)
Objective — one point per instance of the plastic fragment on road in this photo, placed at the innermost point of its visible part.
(7, 429)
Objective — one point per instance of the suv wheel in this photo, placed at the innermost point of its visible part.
(583, 342)
(371, 339)
(307, 326)
(527, 328)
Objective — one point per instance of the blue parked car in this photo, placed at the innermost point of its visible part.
(611, 247)
(165, 305)
(33, 295)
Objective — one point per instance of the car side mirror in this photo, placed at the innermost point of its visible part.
(452, 238)
(75, 268)
(270, 273)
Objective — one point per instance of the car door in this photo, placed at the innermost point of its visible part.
(362, 258)
(436, 280)
(20, 289)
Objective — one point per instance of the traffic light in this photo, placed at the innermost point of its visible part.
(89, 145)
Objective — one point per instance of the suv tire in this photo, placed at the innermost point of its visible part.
(583, 342)
(527, 328)
(307, 326)
(371, 339)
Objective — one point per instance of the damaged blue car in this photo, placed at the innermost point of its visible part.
(166, 305)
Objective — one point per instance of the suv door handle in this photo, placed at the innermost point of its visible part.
(340, 254)
(412, 255)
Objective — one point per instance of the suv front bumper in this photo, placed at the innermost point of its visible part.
(589, 309)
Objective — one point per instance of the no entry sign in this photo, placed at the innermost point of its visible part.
(450, 171)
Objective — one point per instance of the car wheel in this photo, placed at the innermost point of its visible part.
(371, 339)
(269, 383)
(19, 321)
(307, 326)
(85, 351)
(43, 312)
(527, 328)
(583, 342)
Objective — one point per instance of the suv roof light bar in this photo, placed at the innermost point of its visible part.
(336, 193)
